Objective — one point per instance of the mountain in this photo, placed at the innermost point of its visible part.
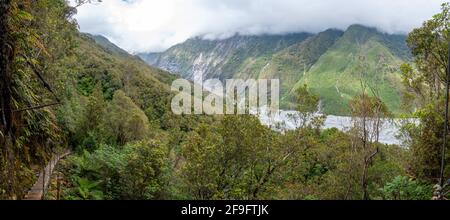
(361, 55)
(220, 58)
(107, 45)
(115, 61)
(332, 63)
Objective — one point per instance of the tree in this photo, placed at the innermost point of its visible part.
(425, 88)
(306, 110)
(28, 125)
(144, 175)
(404, 188)
(368, 115)
(124, 121)
(240, 159)
(200, 172)
(134, 171)
(89, 131)
(6, 59)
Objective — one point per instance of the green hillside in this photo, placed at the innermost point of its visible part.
(359, 57)
(291, 64)
(107, 45)
(332, 63)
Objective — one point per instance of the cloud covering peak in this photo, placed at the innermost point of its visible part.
(155, 25)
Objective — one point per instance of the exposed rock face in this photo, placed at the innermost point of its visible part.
(332, 63)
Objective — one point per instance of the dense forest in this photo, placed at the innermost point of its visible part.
(63, 90)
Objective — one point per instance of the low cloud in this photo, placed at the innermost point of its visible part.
(155, 25)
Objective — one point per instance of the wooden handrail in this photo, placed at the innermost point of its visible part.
(37, 191)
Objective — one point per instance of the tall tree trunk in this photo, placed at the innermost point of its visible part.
(6, 58)
(364, 182)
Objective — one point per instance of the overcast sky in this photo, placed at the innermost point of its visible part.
(155, 25)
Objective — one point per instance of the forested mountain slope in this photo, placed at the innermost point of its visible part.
(361, 57)
(73, 90)
(62, 90)
(333, 63)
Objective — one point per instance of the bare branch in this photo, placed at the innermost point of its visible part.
(37, 107)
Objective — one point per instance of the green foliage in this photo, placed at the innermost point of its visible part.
(124, 120)
(84, 76)
(144, 174)
(404, 188)
(306, 109)
(87, 190)
(86, 84)
(426, 142)
(32, 27)
(306, 102)
(238, 160)
(425, 83)
(135, 171)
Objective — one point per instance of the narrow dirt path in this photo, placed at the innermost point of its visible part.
(37, 191)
